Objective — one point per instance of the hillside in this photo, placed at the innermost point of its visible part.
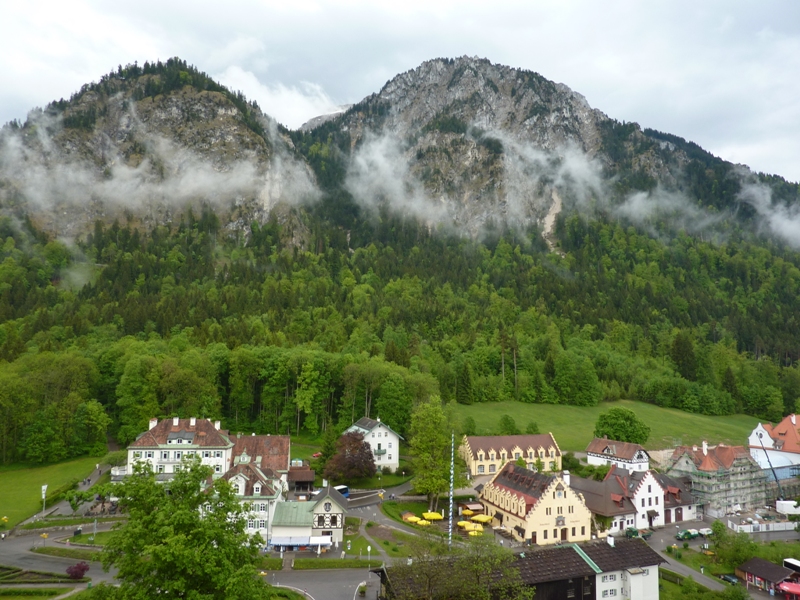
(289, 281)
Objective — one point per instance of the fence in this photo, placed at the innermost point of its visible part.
(761, 527)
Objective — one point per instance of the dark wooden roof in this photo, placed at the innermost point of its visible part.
(613, 448)
(766, 570)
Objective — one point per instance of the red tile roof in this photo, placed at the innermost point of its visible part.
(785, 434)
(252, 475)
(202, 433)
(717, 457)
(273, 450)
(621, 450)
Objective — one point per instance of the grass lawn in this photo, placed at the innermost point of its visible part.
(100, 539)
(270, 563)
(64, 552)
(393, 509)
(358, 545)
(772, 551)
(381, 481)
(37, 592)
(68, 522)
(573, 426)
(305, 564)
(391, 541)
(21, 487)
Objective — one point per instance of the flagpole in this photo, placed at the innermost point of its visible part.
(452, 472)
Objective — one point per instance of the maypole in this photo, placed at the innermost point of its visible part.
(452, 476)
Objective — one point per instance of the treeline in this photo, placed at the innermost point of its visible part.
(186, 320)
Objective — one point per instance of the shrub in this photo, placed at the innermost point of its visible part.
(78, 570)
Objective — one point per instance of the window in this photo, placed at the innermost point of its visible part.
(642, 502)
(604, 578)
(236, 489)
(552, 465)
(491, 468)
(552, 453)
(206, 453)
(263, 507)
(503, 456)
(649, 502)
(149, 454)
(560, 510)
(257, 488)
(218, 454)
(645, 572)
(480, 468)
(548, 511)
(573, 532)
(373, 434)
(571, 509)
(177, 469)
(390, 445)
(251, 524)
(217, 469)
(649, 488)
(583, 529)
(165, 455)
(544, 535)
(612, 577)
(555, 534)
(656, 500)
(390, 457)
(190, 453)
(160, 468)
(262, 524)
(178, 454)
(137, 454)
(334, 520)
(491, 456)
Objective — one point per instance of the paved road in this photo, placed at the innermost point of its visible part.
(334, 584)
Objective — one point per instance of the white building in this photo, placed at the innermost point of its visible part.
(776, 446)
(384, 442)
(624, 455)
(317, 524)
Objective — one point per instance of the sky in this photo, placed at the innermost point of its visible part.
(724, 74)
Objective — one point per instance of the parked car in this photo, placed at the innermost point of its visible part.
(732, 579)
(686, 534)
(316, 455)
(706, 531)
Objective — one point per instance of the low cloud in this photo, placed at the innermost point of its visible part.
(776, 218)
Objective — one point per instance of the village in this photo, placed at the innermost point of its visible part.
(576, 536)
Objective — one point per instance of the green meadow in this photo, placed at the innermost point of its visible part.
(573, 426)
(21, 486)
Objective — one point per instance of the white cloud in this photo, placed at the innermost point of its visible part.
(290, 105)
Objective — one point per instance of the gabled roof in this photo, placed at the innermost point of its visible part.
(293, 514)
(301, 474)
(365, 425)
(766, 570)
(556, 563)
(273, 450)
(252, 475)
(715, 458)
(785, 434)
(620, 450)
(330, 494)
(498, 443)
(522, 482)
(614, 495)
(203, 433)
(676, 491)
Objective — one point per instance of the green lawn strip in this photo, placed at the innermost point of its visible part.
(288, 594)
(63, 552)
(86, 538)
(772, 551)
(21, 487)
(40, 592)
(381, 481)
(394, 545)
(573, 426)
(394, 508)
(68, 522)
(305, 564)
(270, 563)
(358, 545)
(673, 591)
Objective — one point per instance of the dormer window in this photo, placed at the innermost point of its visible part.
(236, 489)
(257, 488)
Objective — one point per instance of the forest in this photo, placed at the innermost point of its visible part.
(190, 319)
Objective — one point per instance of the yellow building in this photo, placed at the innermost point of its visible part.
(536, 507)
(486, 454)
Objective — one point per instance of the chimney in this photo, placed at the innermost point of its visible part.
(216, 424)
(705, 447)
(253, 434)
(793, 418)
(565, 477)
(694, 448)
(379, 419)
(153, 423)
(192, 421)
(175, 421)
(610, 540)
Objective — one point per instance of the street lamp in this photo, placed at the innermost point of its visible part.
(369, 556)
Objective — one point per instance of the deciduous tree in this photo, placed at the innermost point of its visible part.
(353, 459)
(623, 425)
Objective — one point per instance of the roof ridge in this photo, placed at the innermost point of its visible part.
(586, 558)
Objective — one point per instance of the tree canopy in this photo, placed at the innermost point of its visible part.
(183, 539)
(623, 425)
(353, 459)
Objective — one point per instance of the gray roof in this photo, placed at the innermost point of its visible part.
(365, 425)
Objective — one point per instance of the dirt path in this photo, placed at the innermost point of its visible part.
(548, 231)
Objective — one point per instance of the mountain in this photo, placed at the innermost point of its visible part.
(459, 143)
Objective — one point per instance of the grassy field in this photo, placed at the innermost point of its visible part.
(89, 540)
(37, 592)
(21, 487)
(573, 426)
(64, 552)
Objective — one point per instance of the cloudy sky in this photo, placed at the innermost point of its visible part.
(724, 74)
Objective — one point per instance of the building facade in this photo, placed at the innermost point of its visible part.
(486, 454)
(383, 441)
(624, 455)
(318, 523)
(776, 446)
(536, 508)
(724, 479)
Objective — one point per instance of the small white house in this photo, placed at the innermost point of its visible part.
(776, 446)
(317, 524)
(384, 442)
(623, 455)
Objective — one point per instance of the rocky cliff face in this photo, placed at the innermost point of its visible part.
(128, 148)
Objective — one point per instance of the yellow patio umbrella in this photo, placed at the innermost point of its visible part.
(413, 519)
(467, 512)
(474, 527)
(432, 516)
(463, 523)
(475, 533)
(423, 522)
(482, 518)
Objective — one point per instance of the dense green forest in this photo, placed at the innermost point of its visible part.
(193, 320)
